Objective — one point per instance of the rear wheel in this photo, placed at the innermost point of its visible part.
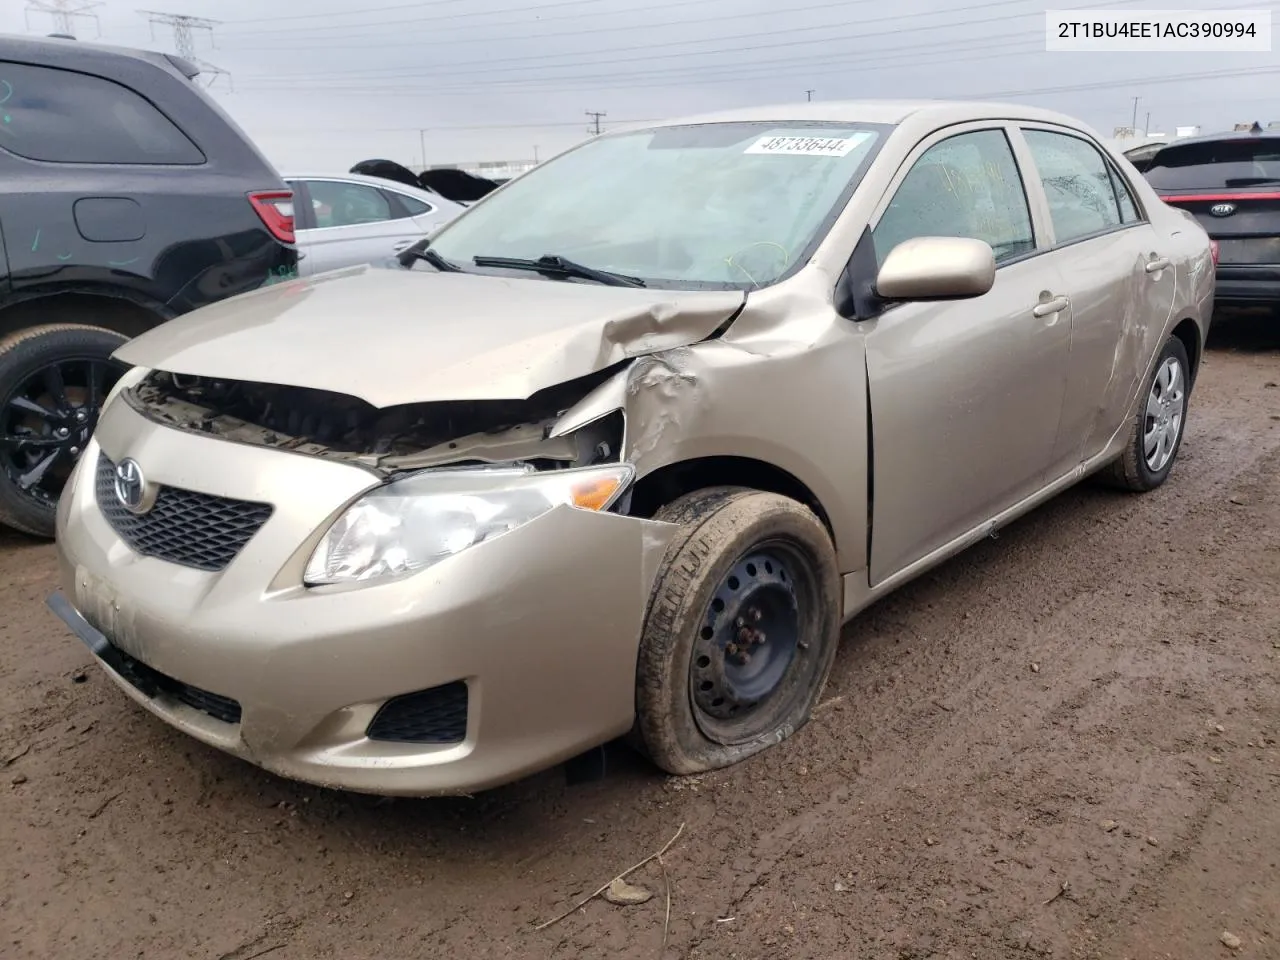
(742, 629)
(53, 381)
(1155, 435)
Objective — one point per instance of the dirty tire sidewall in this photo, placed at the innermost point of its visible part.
(717, 527)
(21, 354)
(1130, 470)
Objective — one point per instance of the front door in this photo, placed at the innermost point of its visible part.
(965, 395)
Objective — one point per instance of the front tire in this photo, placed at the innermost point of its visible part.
(1155, 434)
(742, 629)
(53, 381)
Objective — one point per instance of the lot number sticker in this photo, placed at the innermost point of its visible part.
(809, 146)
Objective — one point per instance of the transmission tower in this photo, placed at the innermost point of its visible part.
(184, 44)
(64, 14)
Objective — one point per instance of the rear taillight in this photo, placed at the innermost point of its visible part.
(1213, 251)
(275, 207)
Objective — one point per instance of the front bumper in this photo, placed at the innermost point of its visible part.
(541, 625)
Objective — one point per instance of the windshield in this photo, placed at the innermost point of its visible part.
(1216, 164)
(723, 205)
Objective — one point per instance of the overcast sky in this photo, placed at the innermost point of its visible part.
(322, 84)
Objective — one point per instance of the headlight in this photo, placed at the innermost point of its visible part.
(406, 526)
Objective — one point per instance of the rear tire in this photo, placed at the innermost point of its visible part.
(1155, 434)
(742, 629)
(53, 380)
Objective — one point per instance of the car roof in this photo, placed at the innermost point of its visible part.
(62, 49)
(381, 182)
(939, 112)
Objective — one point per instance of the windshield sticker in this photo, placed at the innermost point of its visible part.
(810, 146)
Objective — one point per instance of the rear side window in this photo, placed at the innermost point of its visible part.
(1128, 206)
(1216, 164)
(415, 206)
(1078, 184)
(344, 204)
(66, 117)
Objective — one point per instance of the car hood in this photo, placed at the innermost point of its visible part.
(395, 336)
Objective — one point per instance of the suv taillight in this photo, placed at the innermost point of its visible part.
(275, 207)
(1213, 251)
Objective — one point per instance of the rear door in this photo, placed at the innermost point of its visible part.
(1232, 186)
(352, 223)
(1119, 275)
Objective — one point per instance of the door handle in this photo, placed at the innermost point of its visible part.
(1156, 264)
(1050, 307)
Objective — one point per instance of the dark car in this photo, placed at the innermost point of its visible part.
(1231, 183)
(127, 197)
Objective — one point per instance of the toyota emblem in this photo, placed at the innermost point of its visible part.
(1223, 209)
(131, 487)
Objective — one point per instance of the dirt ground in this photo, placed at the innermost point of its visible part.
(1065, 743)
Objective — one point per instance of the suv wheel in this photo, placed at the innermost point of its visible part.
(53, 381)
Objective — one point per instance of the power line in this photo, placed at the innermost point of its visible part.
(524, 35)
(595, 119)
(184, 44)
(64, 14)
(791, 67)
(491, 65)
(417, 6)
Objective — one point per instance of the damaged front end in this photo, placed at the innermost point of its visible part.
(392, 440)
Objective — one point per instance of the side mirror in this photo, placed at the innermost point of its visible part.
(937, 268)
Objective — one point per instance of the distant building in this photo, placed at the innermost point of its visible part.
(490, 169)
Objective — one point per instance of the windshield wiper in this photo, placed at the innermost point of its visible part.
(559, 266)
(422, 251)
(1250, 181)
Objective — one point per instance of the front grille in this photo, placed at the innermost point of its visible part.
(151, 683)
(437, 715)
(193, 529)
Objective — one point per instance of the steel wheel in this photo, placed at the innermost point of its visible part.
(741, 632)
(1166, 406)
(748, 640)
(46, 420)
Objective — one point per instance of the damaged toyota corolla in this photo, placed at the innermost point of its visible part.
(620, 449)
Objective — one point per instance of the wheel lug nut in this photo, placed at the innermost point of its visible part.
(745, 635)
(739, 622)
(745, 658)
(756, 614)
(731, 649)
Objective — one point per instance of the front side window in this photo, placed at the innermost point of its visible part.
(1077, 182)
(339, 204)
(61, 116)
(965, 186)
(722, 205)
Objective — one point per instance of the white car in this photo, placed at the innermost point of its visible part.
(346, 219)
